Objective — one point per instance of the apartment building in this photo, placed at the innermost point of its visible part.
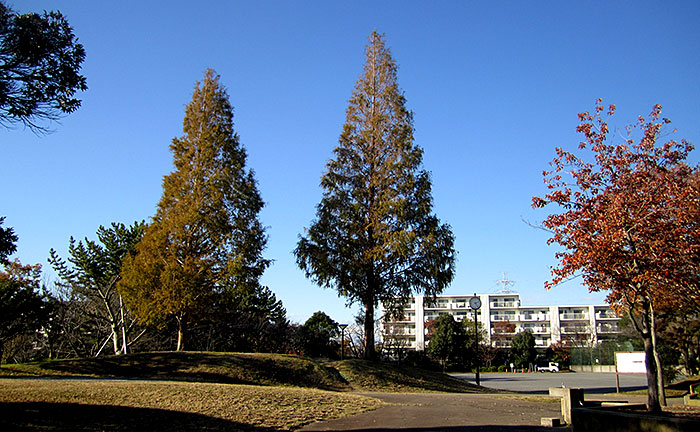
(504, 316)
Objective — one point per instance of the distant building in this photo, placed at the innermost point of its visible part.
(503, 316)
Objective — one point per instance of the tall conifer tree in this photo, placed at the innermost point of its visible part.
(375, 237)
(205, 239)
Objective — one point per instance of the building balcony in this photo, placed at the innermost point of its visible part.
(403, 319)
(534, 317)
(401, 332)
(503, 333)
(439, 306)
(573, 317)
(606, 316)
(504, 318)
(575, 330)
(607, 329)
(538, 330)
(505, 305)
(502, 344)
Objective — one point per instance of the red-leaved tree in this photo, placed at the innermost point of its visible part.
(628, 223)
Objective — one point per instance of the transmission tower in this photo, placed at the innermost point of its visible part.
(505, 283)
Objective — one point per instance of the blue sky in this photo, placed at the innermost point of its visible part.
(495, 86)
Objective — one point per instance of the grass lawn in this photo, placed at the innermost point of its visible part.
(229, 368)
(90, 405)
(178, 391)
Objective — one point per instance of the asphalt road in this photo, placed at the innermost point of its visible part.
(539, 383)
(447, 412)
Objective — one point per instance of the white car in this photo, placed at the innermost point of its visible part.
(553, 367)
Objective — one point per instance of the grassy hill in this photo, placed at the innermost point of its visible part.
(252, 369)
(383, 377)
(178, 391)
(225, 368)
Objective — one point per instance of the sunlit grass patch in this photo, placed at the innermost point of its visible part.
(204, 406)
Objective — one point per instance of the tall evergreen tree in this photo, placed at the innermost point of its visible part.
(375, 237)
(205, 238)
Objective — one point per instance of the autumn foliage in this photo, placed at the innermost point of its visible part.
(205, 242)
(629, 220)
(375, 237)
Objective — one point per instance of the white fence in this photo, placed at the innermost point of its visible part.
(594, 368)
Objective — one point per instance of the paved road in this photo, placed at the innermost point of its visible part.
(432, 412)
(540, 383)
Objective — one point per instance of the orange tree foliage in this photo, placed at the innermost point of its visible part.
(205, 242)
(629, 221)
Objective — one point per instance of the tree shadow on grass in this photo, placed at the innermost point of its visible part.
(225, 368)
(55, 417)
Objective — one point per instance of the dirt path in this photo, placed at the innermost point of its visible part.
(427, 412)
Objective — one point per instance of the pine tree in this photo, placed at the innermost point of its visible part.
(374, 237)
(40, 61)
(92, 273)
(205, 239)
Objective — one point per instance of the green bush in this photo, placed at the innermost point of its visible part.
(502, 368)
(419, 359)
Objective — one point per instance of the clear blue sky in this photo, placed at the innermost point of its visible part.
(494, 85)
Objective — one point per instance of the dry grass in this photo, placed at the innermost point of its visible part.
(63, 405)
(199, 391)
(670, 393)
(230, 368)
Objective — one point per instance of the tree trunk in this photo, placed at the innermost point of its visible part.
(112, 322)
(123, 326)
(652, 382)
(657, 358)
(115, 338)
(180, 334)
(645, 328)
(370, 352)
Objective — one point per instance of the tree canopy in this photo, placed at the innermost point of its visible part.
(93, 271)
(22, 305)
(205, 238)
(8, 238)
(40, 61)
(316, 338)
(375, 237)
(629, 222)
(523, 349)
(448, 340)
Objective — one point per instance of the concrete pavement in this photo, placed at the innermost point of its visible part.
(427, 412)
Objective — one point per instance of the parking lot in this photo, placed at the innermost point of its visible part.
(539, 383)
